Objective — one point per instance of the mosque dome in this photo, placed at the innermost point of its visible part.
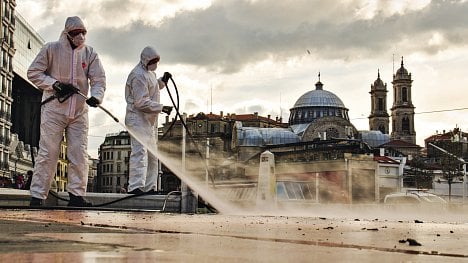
(316, 104)
(319, 98)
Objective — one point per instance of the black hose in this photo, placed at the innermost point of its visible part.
(175, 119)
(189, 133)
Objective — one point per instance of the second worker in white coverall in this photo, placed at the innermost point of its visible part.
(60, 70)
(143, 107)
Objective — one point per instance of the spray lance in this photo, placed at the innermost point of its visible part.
(65, 91)
(99, 106)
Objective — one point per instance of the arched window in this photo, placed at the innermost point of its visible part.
(332, 133)
(382, 129)
(404, 94)
(405, 124)
(380, 107)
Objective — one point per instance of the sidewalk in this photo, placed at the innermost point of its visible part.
(115, 236)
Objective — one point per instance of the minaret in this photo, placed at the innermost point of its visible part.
(402, 109)
(379, 118)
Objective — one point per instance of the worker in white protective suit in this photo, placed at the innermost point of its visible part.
(60, 70)
(143, 107)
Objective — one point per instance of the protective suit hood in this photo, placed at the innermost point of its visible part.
(147, 54)
(72, 23)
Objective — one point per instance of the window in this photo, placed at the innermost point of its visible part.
(405, 124)
(382, 129)
(404, 94)
(380, 106)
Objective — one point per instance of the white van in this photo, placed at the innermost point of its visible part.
(413, 197)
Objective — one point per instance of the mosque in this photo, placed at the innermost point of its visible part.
(321, 115)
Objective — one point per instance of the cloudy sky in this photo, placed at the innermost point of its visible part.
(262, 55)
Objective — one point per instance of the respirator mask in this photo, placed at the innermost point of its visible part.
(153, 64)
(77, 37)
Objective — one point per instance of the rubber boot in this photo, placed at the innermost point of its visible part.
(35, 202)
(78, 201)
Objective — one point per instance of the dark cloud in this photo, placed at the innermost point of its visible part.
(230, 34)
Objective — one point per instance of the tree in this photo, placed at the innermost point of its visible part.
(423, 176)
(451, 169)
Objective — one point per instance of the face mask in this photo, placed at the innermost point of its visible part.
(153, 64)
(78, 40)
(77, 37)
(153, 67)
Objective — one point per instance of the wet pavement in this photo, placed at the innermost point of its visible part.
(124, 236)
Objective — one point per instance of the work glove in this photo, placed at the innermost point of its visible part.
(167, 109)
(93, 102)
(63, 89)
(165, 78)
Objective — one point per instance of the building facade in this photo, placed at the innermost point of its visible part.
(26, 97)
(7, 51)
(112, 169)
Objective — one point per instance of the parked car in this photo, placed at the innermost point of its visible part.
(413, 197)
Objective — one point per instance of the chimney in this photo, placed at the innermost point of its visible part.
(221, 113)
(269, 116)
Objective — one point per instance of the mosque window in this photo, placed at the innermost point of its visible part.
(340, 113)
(332, 133)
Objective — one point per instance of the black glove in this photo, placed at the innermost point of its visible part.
(167, 109)
(166, 77)
(93, 102)
(63, 89)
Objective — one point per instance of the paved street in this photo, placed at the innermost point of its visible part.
(122, 236)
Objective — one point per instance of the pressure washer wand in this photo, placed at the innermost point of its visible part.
(101, 107)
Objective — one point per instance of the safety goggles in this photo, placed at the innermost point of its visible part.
(76, 32)
(153, 61)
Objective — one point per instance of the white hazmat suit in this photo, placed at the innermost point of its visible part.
(58, 61)
(143, 107)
